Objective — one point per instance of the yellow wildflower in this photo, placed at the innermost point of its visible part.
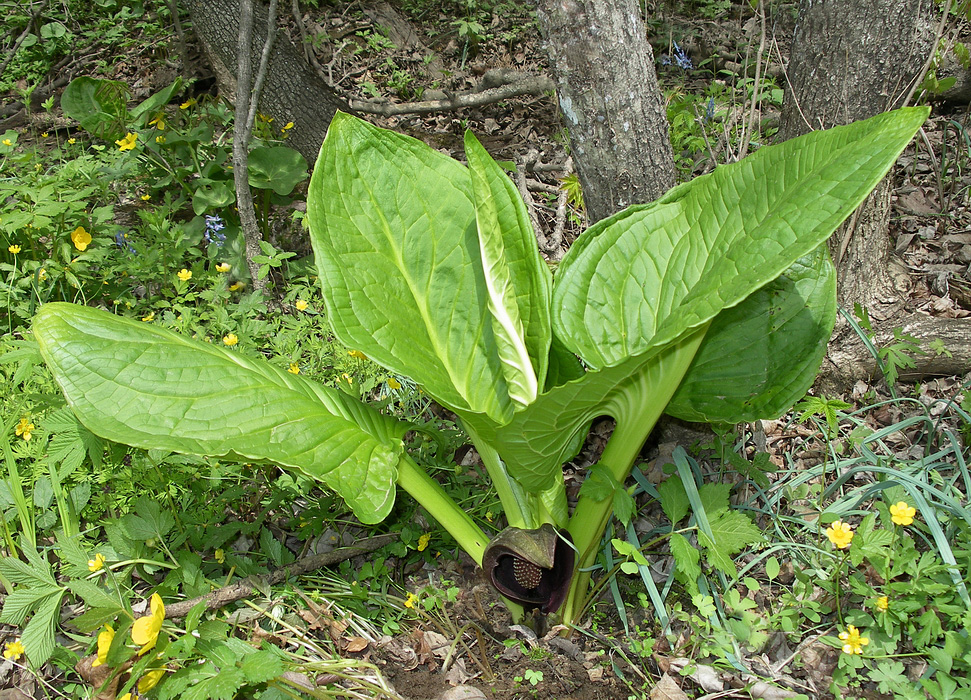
(294, 368)
(146, 197)
(423, 542)
(72, 140)
(81, 238)
(158, 123)
(412, 599)
(853, 642)
(840, 534)
(14, 249)
(184, 275)
(288, 126)
(13, 650)
(105, 637)
(393, 383)
(150, 316)
(24, 429)
(358, 354)
(150, 680)
(902, 514)
(42, 274)
(145, 630)
(97, 563)
(188, 103)
(44, 134)
(235, 286)
(301, 305)
(883, 603)
(219, 555)
(7, 142)
(230, 339)
(127, 143)
(223, 267)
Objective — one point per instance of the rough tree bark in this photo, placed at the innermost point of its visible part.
(610, 101)
(850, 61)
(293, 91)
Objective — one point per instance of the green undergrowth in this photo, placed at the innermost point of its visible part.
(719, 554)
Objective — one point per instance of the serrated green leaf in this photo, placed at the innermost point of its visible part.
(717, 557)
(222, 686)
(31, 574)
(733, 531)
(183, 679)
(93, 595)
(674, 499)
(687, 561)
(261, 666)
(623, 505)
(38, 633)
(95, 618)
(145, 386)
(17, 605)
(714, 497)
(599, 484)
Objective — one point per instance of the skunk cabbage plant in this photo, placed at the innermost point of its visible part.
(713, 303)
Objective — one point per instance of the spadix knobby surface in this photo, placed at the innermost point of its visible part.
(149, 387)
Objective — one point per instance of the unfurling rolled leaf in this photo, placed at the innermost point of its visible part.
(531, 567)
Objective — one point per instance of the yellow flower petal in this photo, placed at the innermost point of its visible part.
(144, 632)
(150, 680)
(105, 638)
(902, 514)
(81, 238)
(13, 650)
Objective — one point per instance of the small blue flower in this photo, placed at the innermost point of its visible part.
(214, 224)
(682, 59)
(121, 240)
(710, 109)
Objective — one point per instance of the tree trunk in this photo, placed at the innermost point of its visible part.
(610, 101)
(850, 61)
(293, 91)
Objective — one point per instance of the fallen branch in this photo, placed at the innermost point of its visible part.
(243, 589)
(530, 85)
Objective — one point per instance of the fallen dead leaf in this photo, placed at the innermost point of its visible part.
(667, 689)
(355, 644)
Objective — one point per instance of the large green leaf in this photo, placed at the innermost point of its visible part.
(394, 233)
(551, 430)
(644, 276)
(145, 386)
(519, 283)
(760, 357)
(100, 106)
(277, 168)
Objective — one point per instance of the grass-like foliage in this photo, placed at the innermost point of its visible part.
(710, 304)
